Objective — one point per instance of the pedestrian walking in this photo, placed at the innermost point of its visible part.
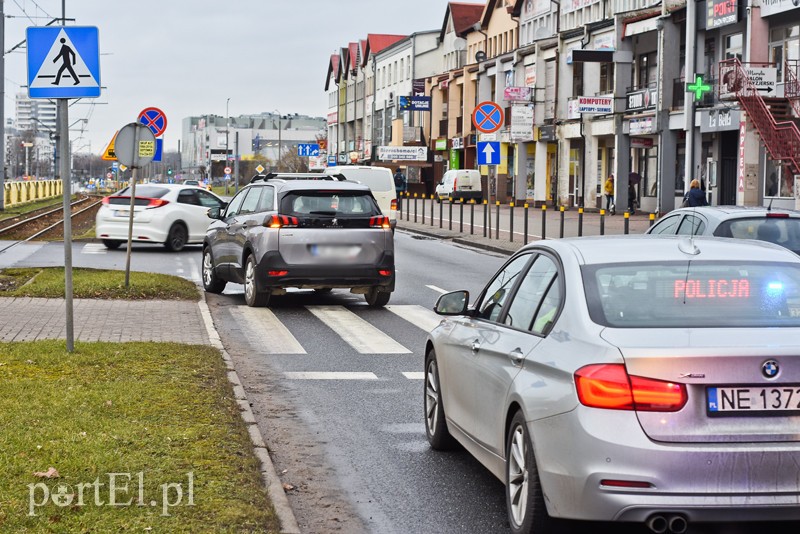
(400, 186)
(609, 191)
(631, 198)
(694, 196)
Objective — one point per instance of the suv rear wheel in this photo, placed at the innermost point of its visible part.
(252, 296)
(211, 282)
(377, 298)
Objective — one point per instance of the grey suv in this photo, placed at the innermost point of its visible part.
(310, 231)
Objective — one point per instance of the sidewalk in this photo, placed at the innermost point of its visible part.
(471, 231)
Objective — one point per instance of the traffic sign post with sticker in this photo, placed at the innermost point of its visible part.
(488, 117)
(63, 62)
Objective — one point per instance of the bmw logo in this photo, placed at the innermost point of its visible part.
(770, 368)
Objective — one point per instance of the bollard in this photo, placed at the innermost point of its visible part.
(602, 222)
(580, 222)
(497, 221)
(415, 207)
(450, 215)
(561, 233)
(485, 216)
(432, 205)
(652, 219)
(441, 207)
(544, 221)
(472, 217)
(423, 209)
(511, 222)
(525, 207)
(408, 201)
(461, 216)
(627, 221)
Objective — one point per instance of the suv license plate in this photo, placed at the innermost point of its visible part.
(756, 400)
(335, 251)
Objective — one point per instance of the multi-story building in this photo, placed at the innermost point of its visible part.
(211, 138)
(656, 94)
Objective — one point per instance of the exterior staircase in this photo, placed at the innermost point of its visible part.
(772, 117)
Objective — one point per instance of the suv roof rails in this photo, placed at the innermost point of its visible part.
(297, 176)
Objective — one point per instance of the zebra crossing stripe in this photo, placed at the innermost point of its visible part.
(416, 315)
(415, 375)
(94, 248)
(356, 332)
(265, 331)
(316, 375)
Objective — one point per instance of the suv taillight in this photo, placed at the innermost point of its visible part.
(379, 222)
(281, 221)
(610, 386)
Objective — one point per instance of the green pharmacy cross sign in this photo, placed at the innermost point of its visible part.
(698, 87)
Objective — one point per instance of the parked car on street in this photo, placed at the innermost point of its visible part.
(175, 215)
(308, 231)
(627, 379)
(775, 225)
(460, 184)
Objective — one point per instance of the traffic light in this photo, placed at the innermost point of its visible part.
(169, 172)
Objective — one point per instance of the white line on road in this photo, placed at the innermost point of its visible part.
(438, 289)
(194, 270)
(311, 375)
(415, 375)
(265, 331)
(94, 248)
(416, 315)
(356, 332)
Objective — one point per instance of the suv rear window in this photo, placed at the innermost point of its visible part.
(784, 231)
(693, 294)
(343, 204)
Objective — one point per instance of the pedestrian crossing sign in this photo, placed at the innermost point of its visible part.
(63, 62)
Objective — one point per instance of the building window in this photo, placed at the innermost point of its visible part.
(577, 79)
(784, 45)
(606, 77)
(733, 46)
(648, 70)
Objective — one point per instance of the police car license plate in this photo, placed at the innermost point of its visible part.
(783, 399)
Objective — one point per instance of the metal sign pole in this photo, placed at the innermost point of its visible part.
(130, 218)
(66, 184)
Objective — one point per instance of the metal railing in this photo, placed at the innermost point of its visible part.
(791, 84)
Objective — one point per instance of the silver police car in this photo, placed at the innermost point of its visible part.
(627, 379)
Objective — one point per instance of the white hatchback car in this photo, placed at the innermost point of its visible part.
(175, 215)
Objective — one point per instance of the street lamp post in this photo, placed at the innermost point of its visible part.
(280, 140)
(227, 129)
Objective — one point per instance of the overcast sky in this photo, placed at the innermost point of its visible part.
(187, 57)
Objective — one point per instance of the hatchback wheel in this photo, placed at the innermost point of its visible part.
(435, 424)
(527, 512)
(176, 238)
(252, 296)
(377, 298)
(211, 282)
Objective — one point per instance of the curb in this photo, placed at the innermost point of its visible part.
(458, 240)
(270, 477)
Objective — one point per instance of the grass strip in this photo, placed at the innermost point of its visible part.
(159, 415)
(94, 284)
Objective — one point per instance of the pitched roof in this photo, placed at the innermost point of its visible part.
(333, 70)
(464, 16)
(379, 41)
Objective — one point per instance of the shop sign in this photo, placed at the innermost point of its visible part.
(441, 144)
(333, 118)
(455, 159)
(517, 94)
(457, 143)
(403, 153)
(719, 120)
(572, 109)
(771, 7)
(641, 142)
(595, 104)
(547, 133)
(521, 124)
(721, 13)
(414, 103)
(641, 99)
(530, 76)
(418, 87)
(342, 157)
(642, 126)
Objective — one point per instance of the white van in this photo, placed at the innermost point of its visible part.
(380, 181)
(460, 184)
